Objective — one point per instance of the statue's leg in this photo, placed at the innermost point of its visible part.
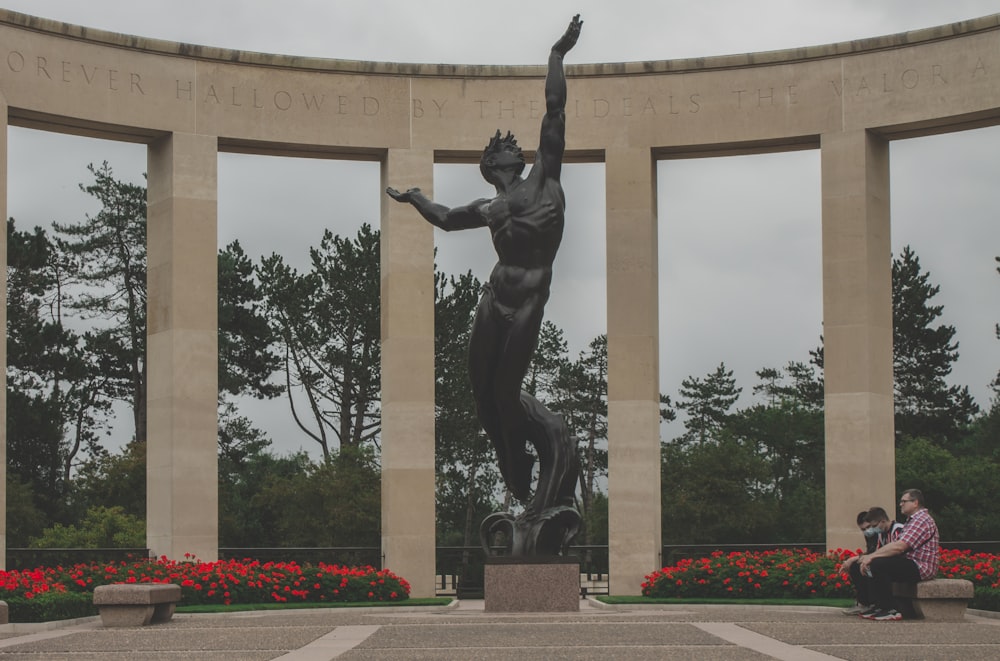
(487, 337)
(517, 347)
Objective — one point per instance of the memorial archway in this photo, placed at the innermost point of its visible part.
(188, 103)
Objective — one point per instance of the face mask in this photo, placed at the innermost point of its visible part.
(872, 532)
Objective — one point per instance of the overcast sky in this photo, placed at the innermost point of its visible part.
(739, 237)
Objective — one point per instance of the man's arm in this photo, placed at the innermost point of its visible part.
(449, 219)
(552, 141)
(892, 548)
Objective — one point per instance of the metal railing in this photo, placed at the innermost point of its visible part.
(331, 555)
(25, 558)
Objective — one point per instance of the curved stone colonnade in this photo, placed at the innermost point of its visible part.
(187, 103)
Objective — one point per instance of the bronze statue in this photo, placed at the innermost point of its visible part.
(526, 220)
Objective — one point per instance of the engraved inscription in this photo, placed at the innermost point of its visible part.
(330, 101)
(76, 73)
(890, 82)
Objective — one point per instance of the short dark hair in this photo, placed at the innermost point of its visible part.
(917, 495)
(497, 145)
(876, 515)
(862, 516)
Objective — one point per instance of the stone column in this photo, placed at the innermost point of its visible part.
(407, 265)
(857, 331)
(3, 345)
(633, 370)
(182, 513)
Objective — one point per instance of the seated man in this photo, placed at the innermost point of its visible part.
(913, 557)
(879, 532)
(886, 530)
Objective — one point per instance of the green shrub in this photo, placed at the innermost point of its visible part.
(987, 599)
(50, 606)
(102, 527)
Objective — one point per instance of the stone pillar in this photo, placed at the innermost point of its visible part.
(182, 512)
(633, 370)
(407, 264)
(3, 345)
(857, 331)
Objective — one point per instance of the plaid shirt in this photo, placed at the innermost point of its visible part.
(921, 534)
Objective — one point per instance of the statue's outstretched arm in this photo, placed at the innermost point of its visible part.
(447, 218)
(552, 141)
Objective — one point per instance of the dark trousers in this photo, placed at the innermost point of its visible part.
(862, 584)
(885, 572)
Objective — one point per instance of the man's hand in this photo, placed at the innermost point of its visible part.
(568, 40)
(850, 561)
(402, 197)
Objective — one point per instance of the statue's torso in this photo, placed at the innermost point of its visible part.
(527, 226)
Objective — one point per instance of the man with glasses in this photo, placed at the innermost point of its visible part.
(913, 557)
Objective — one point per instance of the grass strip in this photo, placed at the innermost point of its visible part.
(818, 601)
(235, 608)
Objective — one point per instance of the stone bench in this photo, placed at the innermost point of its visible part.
(941, 599)
(136, 604)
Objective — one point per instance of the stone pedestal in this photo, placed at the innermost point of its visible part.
(532, 585)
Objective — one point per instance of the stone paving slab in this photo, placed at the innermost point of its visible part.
(907, 632)
(631, 653)
(200, 655)
(538, 635)
(702, 633)
(151, 639)
(912, 652)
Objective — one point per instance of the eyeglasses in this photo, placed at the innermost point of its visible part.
(906, 501)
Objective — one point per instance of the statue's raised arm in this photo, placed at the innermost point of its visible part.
(552, 141)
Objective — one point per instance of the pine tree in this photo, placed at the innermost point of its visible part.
(110, 251)
(924, 352)
(328, 322)
(707, 402)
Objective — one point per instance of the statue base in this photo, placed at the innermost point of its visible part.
(532, 585)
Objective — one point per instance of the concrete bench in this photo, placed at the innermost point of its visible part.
(136, 604)
(941, 599)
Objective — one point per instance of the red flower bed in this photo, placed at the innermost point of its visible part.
(221, 582)
(779, 573)
(788, 573)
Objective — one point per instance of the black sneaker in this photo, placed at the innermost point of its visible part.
(870, 613)
(891, 615)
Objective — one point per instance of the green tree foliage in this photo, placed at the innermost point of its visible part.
(586, 412)
(328, 326)
(332, 503)
(924, 352)
(246, 517)
(102, 527)
(57, 382)
(109, 251)
(114, 479)
(25, 519)
(716, 491)
(708, 402)
(757, 476)
(247, 358)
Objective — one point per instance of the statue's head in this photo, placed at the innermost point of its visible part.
(501, 154)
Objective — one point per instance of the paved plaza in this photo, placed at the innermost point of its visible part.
(464, 631)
